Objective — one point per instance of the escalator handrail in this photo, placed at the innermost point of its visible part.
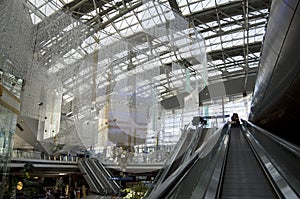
(214, 187)
(173, 179)
(193, 143)
(81, 165)
(278, 182)
(105, 176)
(171, 159)
(109, 175)
(199, 152)
(104, 185)
(95, 177)
(287, 145)
(177, 176)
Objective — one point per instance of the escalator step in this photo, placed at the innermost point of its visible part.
(243, 176)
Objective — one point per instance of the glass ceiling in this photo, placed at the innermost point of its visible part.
(83, 48)
(233, 30)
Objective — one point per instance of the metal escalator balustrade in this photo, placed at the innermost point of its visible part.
(190, 179)
(194, 184)
(174, 160)
(101, 173)
(98, 175)
(89, 177)
(280, 158)
(251, 168)
(187, 144)
(259, 171)
(259, 177)
(108, 176)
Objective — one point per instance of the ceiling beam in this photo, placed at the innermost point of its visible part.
(174, 5)
(232, 8)
(235, 51)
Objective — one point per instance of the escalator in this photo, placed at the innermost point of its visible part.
(98, 178)
(189, 141)
(90, 177)
(236, 162)
(243, 176)
(109, 185)
(194, 172)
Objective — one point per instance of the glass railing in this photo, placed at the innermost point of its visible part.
(23, 154)
(158, 156)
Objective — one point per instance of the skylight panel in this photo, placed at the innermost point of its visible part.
(68, 97)
(71, 52)
(120, 24)
(251, 39)
(259, 37)
(233, 69)
(185, 11)
(58, 3)
(217, 62)
(90, 48)
(214, 40)
(55, 68)
(69, 60)
(231, 27)
(37, 3)
(214, 73)
(182, 3)
(111, 14)
(212, 24)
(208, 4)
(238, 42)
(256, 21)
(195, 7)
(126, 32)
(47, 10)
(131, 20)
(253, 64)
(235, 18)
(68, 1)
(209, 48)
(110, 29)
(77, 56)
(136, 28)
(177, 83)
(215, 47)
(93, 13)
(207, 34)
(35, 19)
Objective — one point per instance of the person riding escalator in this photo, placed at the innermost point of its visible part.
(235, 120)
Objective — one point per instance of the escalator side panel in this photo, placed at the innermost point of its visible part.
(107, 176)
(88, 177)
(104, 177)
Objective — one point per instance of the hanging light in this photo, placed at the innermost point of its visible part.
(19, 186)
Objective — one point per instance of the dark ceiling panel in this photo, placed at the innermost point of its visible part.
(235, 51)
(229, 9)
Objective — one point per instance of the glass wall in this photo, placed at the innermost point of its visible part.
(7, 129)
(10, 89)
(215, 109)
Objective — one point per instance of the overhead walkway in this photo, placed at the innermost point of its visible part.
(240, 162)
